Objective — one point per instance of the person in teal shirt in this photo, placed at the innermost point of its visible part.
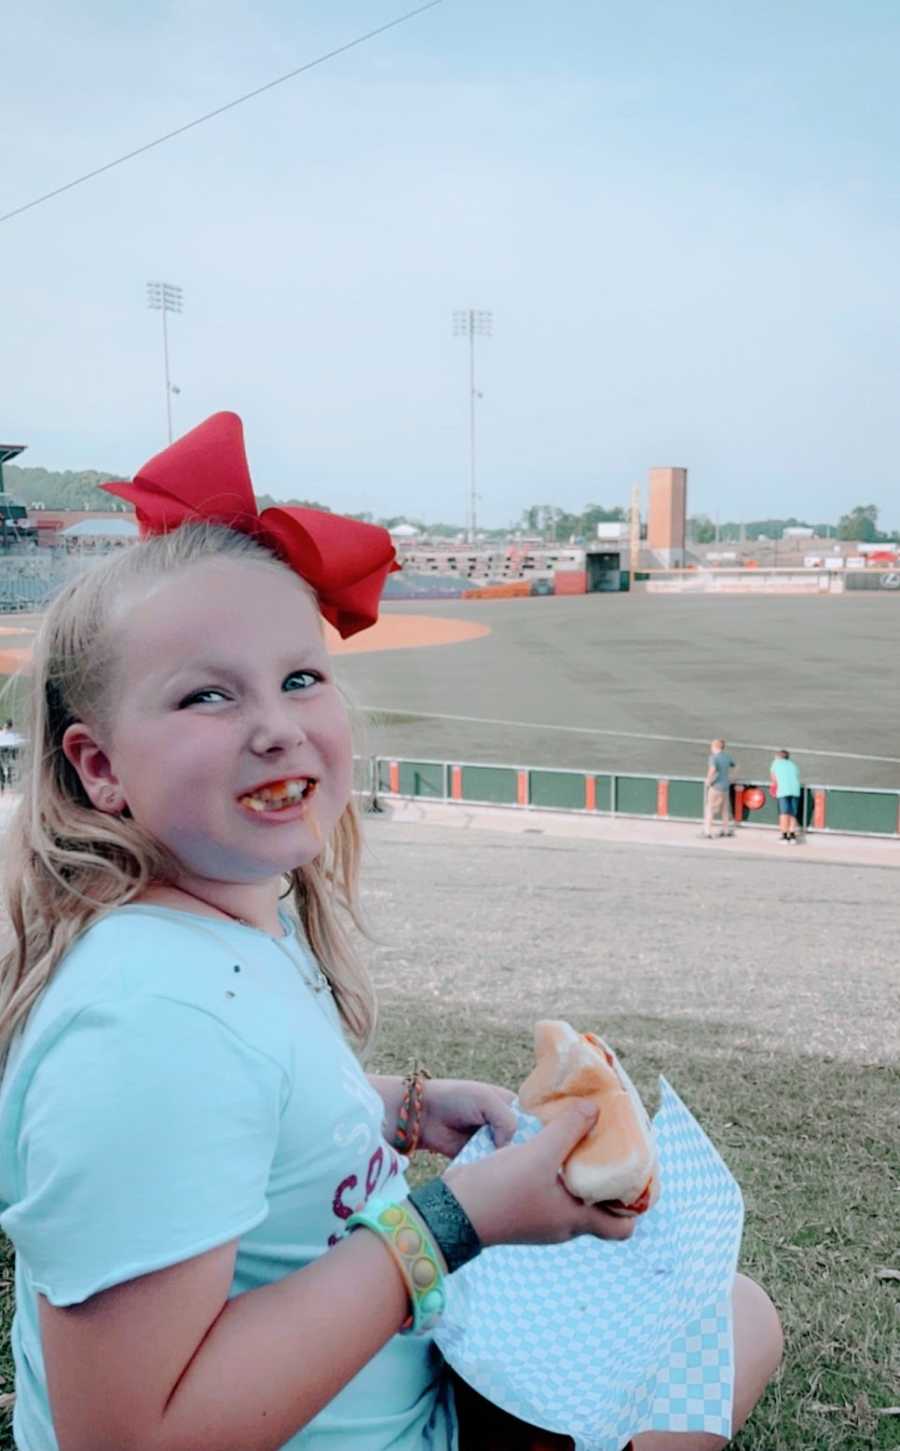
(786, 778)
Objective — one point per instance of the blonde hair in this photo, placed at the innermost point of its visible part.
(65, 863)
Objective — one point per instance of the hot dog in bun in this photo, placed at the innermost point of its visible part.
(616, 1162)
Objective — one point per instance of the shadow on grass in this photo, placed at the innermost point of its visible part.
(813, 1144)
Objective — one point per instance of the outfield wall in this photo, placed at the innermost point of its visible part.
(613, 793)
(747, 581)
(564, 579)
(772, 581)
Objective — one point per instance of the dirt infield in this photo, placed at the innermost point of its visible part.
(16, 636)
(407, 632)
(393, 632)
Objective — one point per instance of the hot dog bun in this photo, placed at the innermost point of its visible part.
(617, 1161)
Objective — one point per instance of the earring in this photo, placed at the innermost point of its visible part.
(110, 800)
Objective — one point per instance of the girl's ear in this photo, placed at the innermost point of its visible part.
(83, 751)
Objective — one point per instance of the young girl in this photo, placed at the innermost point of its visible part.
(216, 1246)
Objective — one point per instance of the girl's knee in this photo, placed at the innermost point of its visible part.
(758, 1346)
(757, 1316)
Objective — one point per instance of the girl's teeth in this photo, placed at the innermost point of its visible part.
(272, 798)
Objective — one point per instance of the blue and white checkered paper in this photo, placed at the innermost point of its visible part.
(601, 1340)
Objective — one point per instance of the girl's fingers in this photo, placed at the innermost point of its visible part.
(613, 1226)
(557, 1140)
(502, 1120)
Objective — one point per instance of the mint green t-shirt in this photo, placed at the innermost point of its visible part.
(179, 1084)
(787, 777)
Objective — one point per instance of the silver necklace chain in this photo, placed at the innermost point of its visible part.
(318, 983)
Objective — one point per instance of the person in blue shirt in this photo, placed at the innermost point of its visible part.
(786, 778)
(717, 788)
(216, 1246)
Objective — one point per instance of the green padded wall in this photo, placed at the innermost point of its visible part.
(421, 778)
(562, 789)
(686, 799)
(603, 788)
(861, 811)
(489, 783)
(636, 795)
(856, 811)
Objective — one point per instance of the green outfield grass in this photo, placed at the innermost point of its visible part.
(643, 683)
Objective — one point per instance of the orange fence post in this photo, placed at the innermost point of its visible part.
(590, 793)
(819, 810)
(662, 798)
(394, 777)
(522, 788)
(456, 783)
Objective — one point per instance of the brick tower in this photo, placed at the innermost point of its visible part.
(667, 516)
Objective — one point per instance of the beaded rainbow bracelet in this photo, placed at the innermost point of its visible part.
(410, 1113)
(411, 1244)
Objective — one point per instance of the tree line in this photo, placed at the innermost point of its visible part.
(73, 490)
(859, 523)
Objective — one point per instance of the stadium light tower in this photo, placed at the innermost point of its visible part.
(472, 322)
(163, 297)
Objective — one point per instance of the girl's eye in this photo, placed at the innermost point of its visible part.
(203, 697)
(302, 679)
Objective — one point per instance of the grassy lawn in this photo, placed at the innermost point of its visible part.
(814, 1145)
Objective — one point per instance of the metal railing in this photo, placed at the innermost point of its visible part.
(607, 792)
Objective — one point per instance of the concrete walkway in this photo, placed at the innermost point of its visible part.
(833, 848)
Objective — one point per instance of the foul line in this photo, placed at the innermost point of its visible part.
(626, 735)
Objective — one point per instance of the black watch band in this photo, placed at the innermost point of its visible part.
(452, 1229)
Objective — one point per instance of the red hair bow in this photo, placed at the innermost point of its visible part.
(204, 475)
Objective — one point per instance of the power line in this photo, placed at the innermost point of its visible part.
(229, 106)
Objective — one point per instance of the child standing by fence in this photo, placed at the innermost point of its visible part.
(216, 1245)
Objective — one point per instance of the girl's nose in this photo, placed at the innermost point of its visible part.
(277, 729)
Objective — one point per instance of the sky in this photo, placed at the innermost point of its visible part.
(683, 218)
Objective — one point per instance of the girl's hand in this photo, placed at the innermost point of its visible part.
(456, 1108)
(517, 1196)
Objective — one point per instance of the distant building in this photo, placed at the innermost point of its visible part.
(50, 524)
(101, 528)
(668, 516)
